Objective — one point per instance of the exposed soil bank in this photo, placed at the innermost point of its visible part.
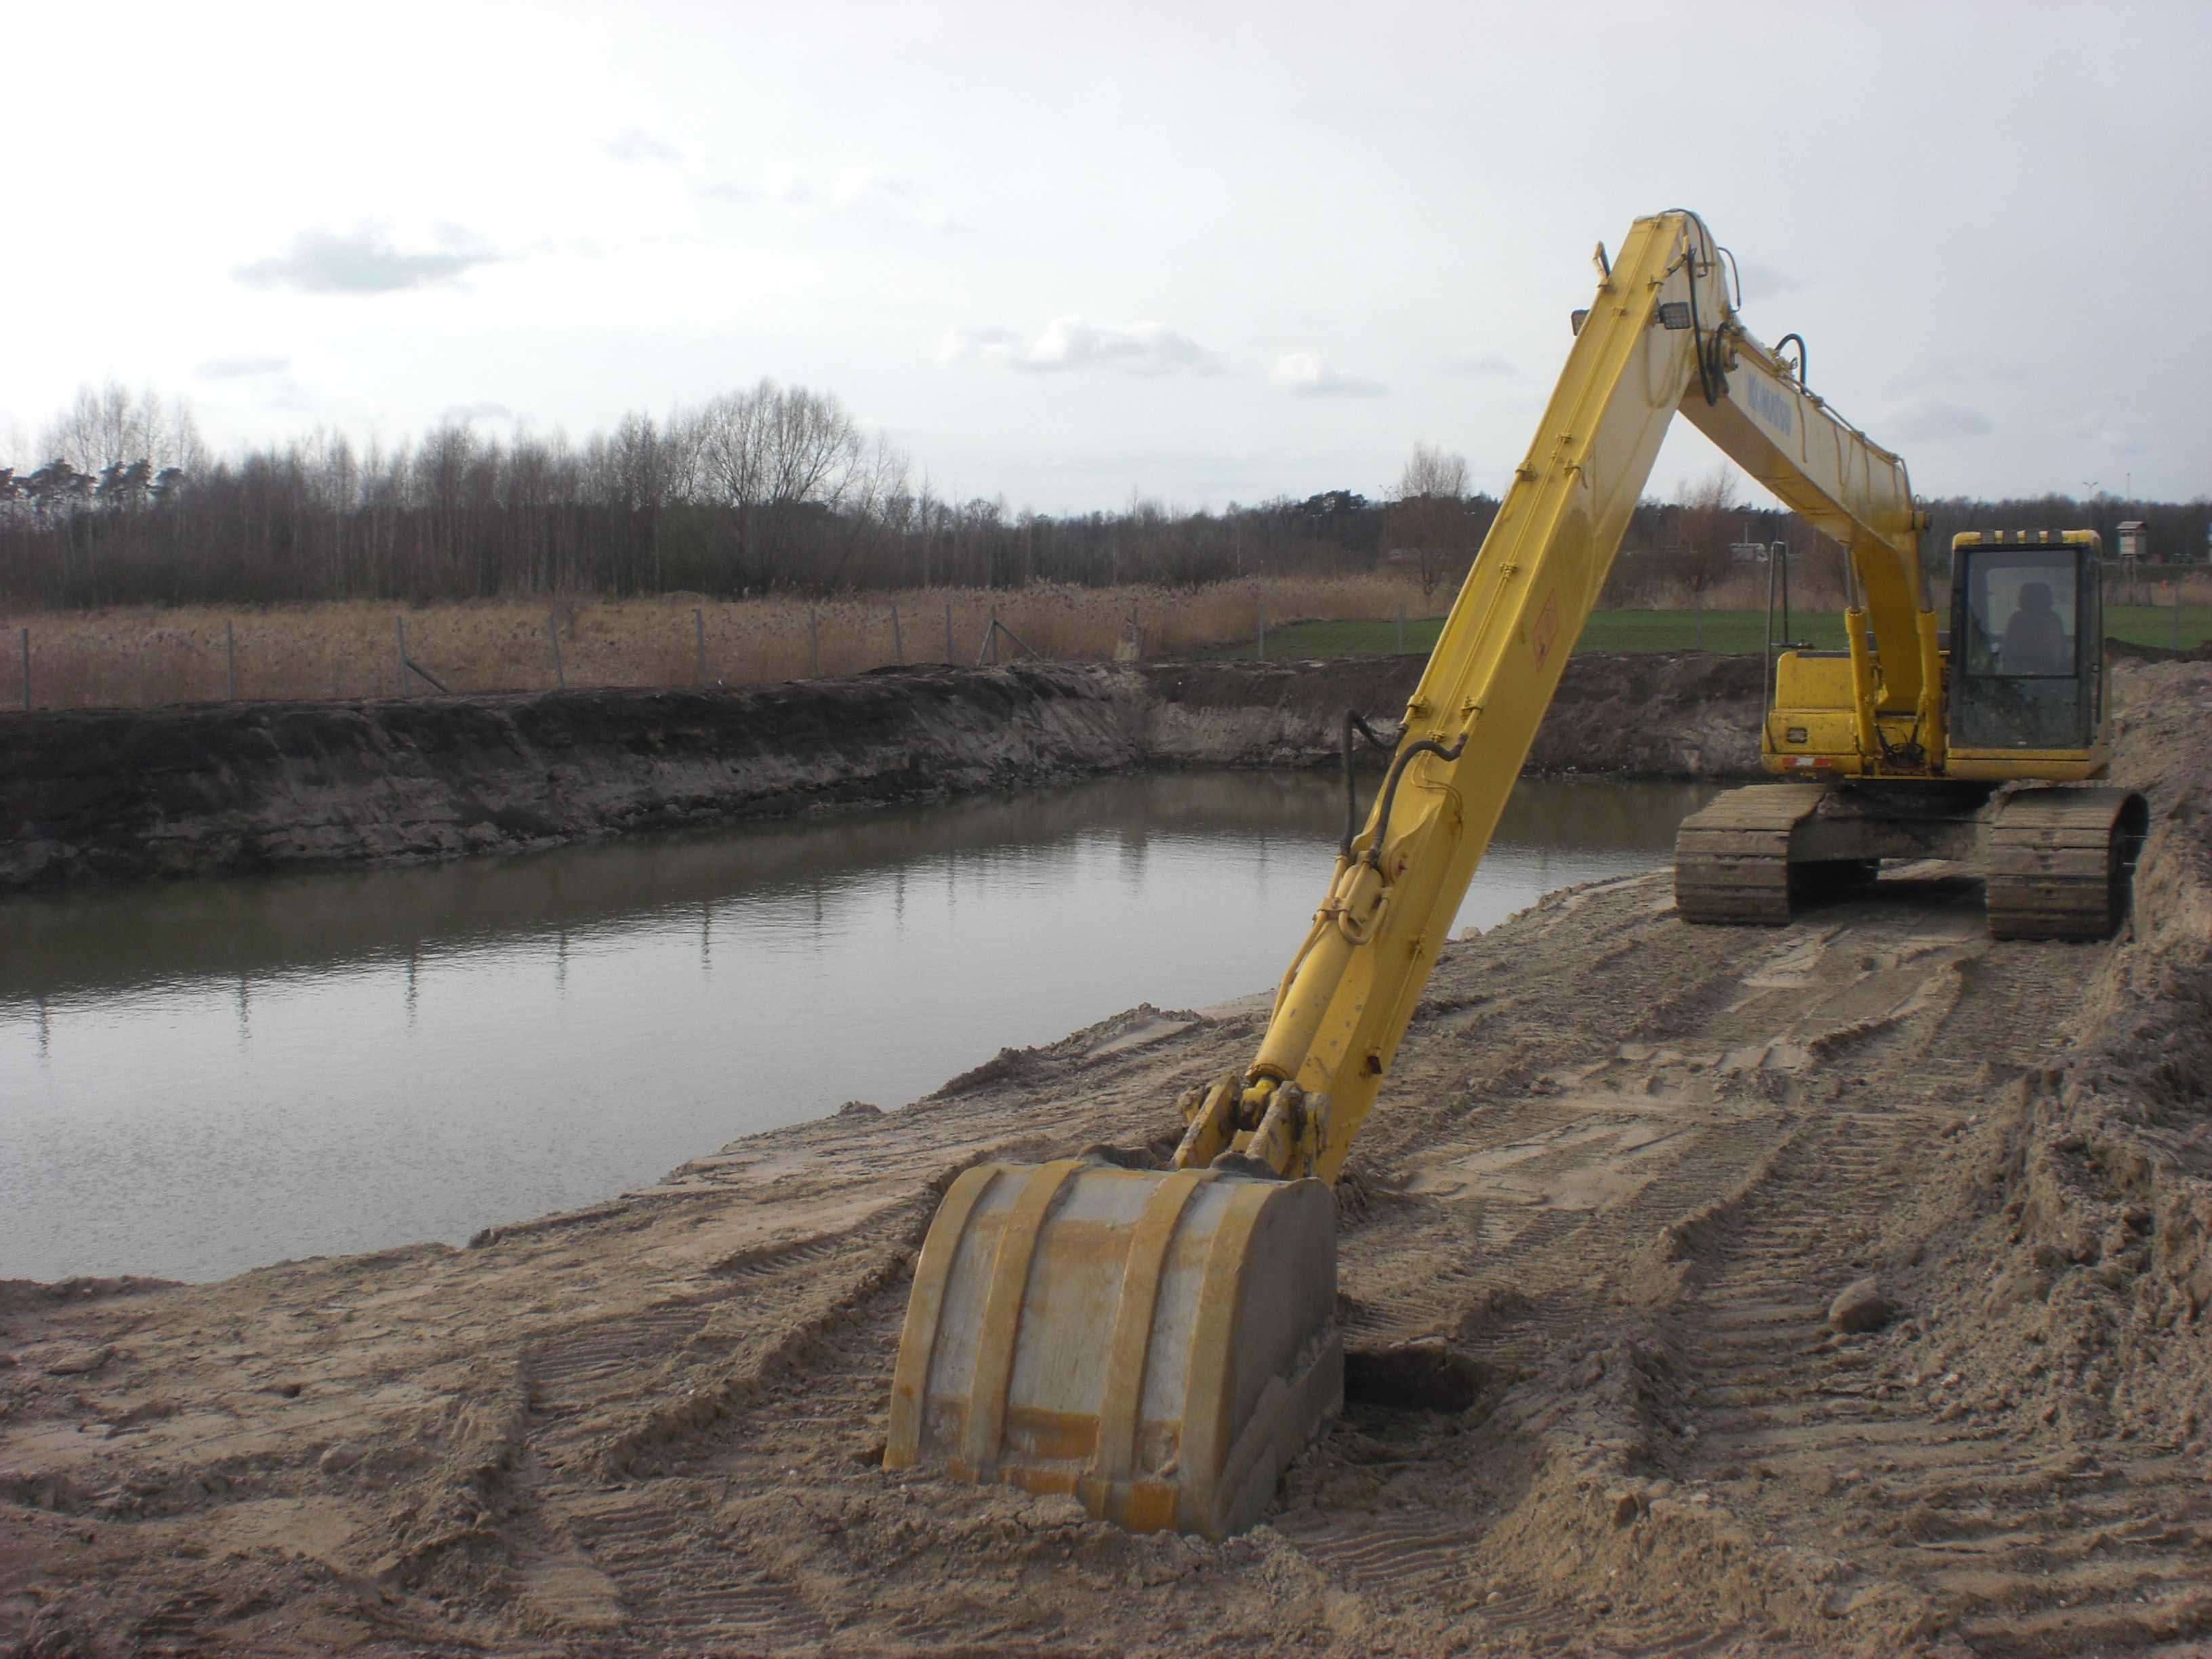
(223, 787)
(215, 789)
(1589, 1247)
(1688, 715)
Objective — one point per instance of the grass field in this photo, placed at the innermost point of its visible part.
(1729, 631)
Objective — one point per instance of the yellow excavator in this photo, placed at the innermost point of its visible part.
(1160, 1343)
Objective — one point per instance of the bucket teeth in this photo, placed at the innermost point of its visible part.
(1156, 1344)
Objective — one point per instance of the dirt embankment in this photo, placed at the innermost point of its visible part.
(1647, 714)
(221, 788)
(214, 788)
(1599, 1401)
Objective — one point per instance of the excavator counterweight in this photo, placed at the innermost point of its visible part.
(1160, 1342)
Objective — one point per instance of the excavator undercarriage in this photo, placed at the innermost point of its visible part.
(2057, 863)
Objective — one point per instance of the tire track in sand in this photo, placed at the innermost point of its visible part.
(2036, 1547)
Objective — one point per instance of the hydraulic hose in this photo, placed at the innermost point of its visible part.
(1697, 341)
(1424, 746)
(1704, 242)
(1784, 341)
(1353, 723)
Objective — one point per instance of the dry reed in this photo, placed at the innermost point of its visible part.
(142, 657)
(145, 657)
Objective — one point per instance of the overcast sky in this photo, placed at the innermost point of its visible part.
(1061, 253)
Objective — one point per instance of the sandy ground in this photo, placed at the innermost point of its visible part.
(1597, 1404)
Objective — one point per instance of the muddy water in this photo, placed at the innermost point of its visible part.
(199, 1079)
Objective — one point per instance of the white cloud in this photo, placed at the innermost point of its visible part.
(635, 145)
(366, 261)
(1764, 281)
(1478, 364)
(1303, 374)
(241, 369)
(1067, 344)
(862, 188)
(785, 182)
(1948, 368)
(2093, 426)
(468, 413)
(958, 344)
(861, 194)
(1932, 419)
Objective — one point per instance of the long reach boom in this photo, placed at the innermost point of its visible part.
(1161, 1343)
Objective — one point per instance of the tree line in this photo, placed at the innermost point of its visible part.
(770, 488)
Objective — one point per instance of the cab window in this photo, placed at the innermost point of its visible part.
(2018, 619)
(2021, 613)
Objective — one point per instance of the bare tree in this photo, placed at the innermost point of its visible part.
(110, 427)
(772, 455)
(1706, 524)
(1428, 519)
(768, 486)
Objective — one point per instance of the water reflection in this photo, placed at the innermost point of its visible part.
(197, 1077)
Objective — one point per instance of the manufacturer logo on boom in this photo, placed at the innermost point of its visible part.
(1769, 405)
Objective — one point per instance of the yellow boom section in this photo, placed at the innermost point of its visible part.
(1855, 491)
(1346, 1000)
(1159, 1344)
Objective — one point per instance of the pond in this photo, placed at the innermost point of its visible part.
(200, 1078)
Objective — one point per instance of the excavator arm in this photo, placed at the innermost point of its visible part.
(1661, 335)
(1160, 1344)
(1833, 475)
(1351, 988)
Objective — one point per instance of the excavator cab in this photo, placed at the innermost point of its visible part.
(2027, 670)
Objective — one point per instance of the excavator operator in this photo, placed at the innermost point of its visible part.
(2035, 638)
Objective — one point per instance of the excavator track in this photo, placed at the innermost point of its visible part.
(2061, 862)
(1732, 859)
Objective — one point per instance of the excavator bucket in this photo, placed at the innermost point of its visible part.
(1157, 1344)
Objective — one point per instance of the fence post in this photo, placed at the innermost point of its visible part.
(1697, 598)
(399, 633)
(553, 634)
(2177, 615)
(898, 644)
(1401, 629)
(813, 645)
(698, 639)
(27, 670)
(229, 663)
(1263, 630)
(949, 658)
